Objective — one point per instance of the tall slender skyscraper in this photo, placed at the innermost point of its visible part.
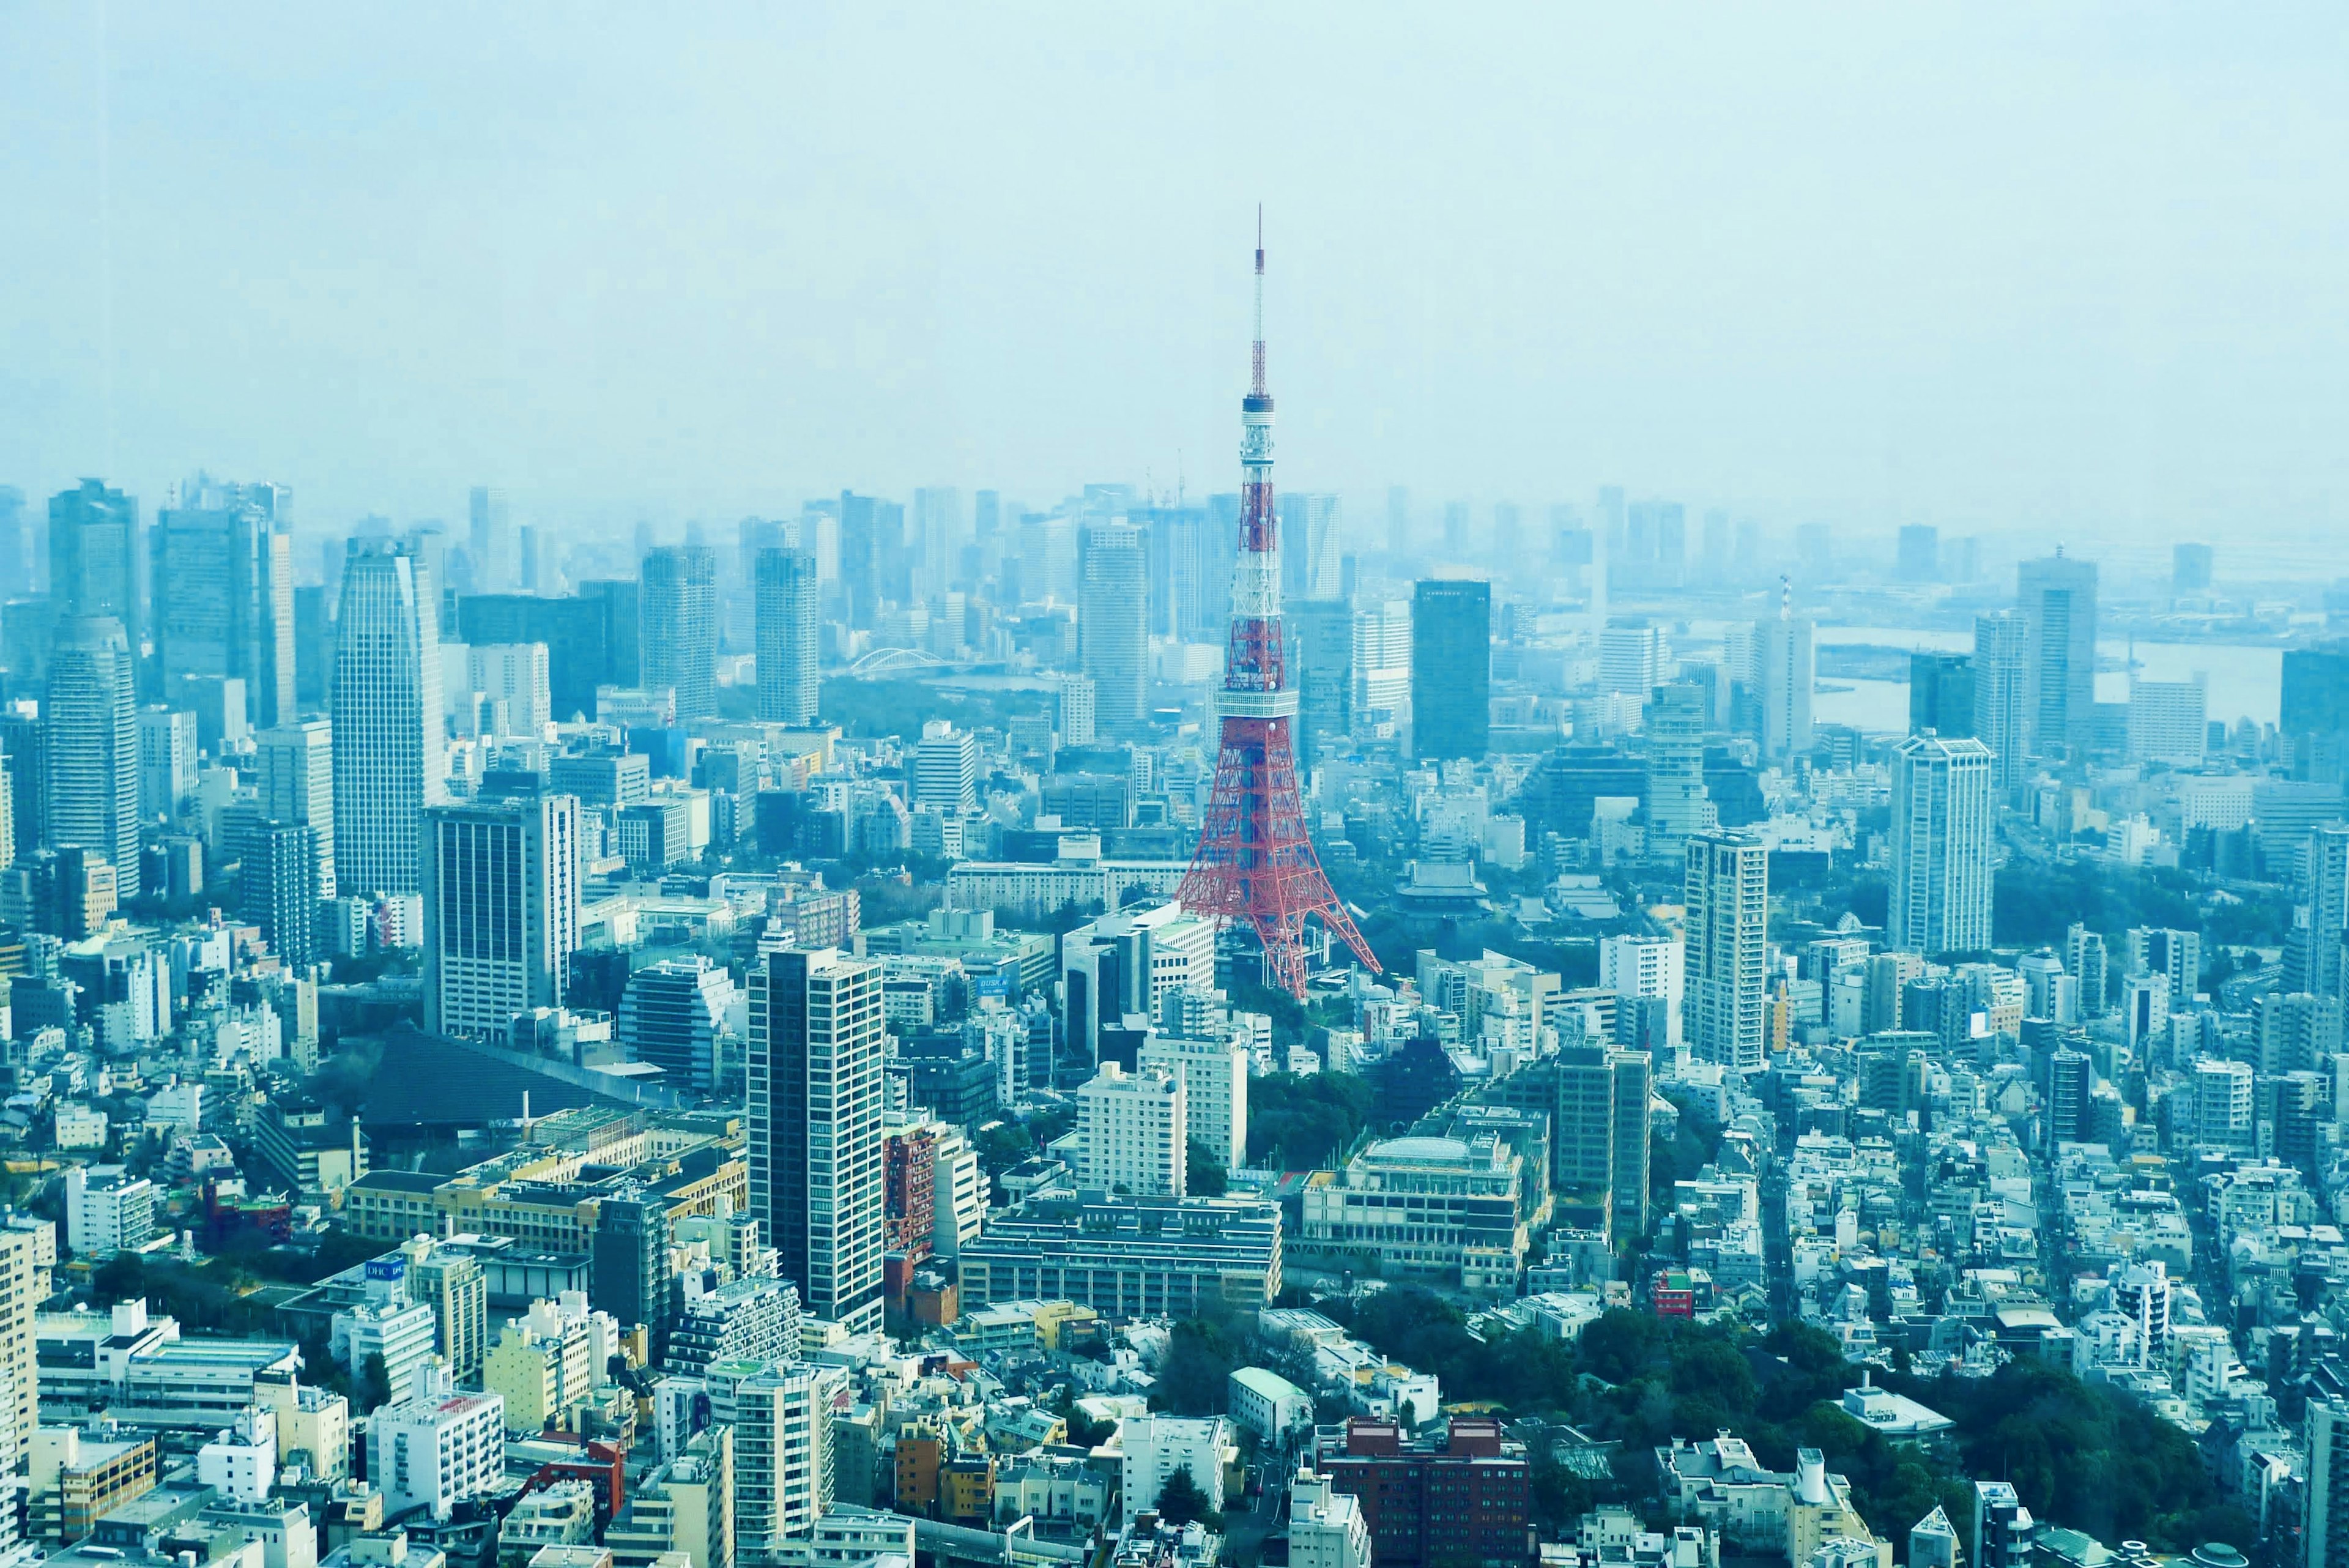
(1785, 673)
(1678, 802)
(1943, 807)
(1724, 949)
(89, 745)
(784, 612)
(223, 592)
(2058, 599)
(1113, 610)
(500, 910)
(2002, 720)
(680, 646)
(487, 539)
(2313, 960)
(94, 557)
(1451, 669)
(386, 705)
(815, 1072)
(297, 785)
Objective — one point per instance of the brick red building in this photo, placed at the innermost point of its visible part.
(1461, 1505)
(908, 1202)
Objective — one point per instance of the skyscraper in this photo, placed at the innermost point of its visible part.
(2189, 569)
(814, 1071)
(680, 617)
(1942, 693)
(1920, 559)
(277, 887)
(500, 910)
(2001, 717)
(2056, 596)
(89, 745)
(1727, 895)
(1311, 541)
(784, 615)
(1321, 648)
(946, 768)
(1451, 669)
(2312, 958)
(1786, 674)
(1944, 808)
(386, 707)
(223, 592)
(487, 539)
(1113, 607)
(94, 557)
(1380, 706)
(1677, 804)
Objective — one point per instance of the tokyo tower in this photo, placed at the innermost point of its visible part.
(1253, 862)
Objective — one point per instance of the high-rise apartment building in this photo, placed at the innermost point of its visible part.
(815, 1093)
(90, 746)
(2168, 721)
(518, 678)
(387, 719)
(1451, 669)
(1645, 966)
(1631, 658)
(223, 592)
(1678, 802)
(2313, 956)
(784, 615)
(1113, 639)
(2002, 706)
(2056, 596)
(1214, 1078)
(1133, 1130)
(278, 889)
(1785, 674)
(678, 615)
(94, 548)
(1943, 816)
(1727, 895)
(294, 783)
(500, 910)
(167, 761)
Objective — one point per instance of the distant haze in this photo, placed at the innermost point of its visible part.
(1991, 267)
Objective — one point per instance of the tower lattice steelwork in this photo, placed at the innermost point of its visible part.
(1255, 862)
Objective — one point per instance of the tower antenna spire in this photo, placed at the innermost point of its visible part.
(1256, 378)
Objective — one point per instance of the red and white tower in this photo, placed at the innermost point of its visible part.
(1253, 862)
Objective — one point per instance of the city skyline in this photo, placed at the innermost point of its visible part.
(1517, 290)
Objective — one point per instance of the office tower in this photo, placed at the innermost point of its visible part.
(937, 538)
(785, 617)
(1942, 693)
(1072, 711)
(314, 646)
(517, 676)
(1631, 1076)
(1919, 559)
(278, 889)
(1786, 674)
(1254, 860)
(2312, 959)
(1455, 530)
(673, 1015)
(1312, 540)
(678, 614)
(2189, 569)
(2002, 711)
(1727, 895)
(946, 768)
(1398, 520)
(294, 780)
(814, 1071)
(487, 539)
(387, 719)
(1678, 802)
(167, 762)
(222, 586)
(1113, 641)
(860, 557)
(500, 910)
(1943, 812)
(89, 745)
(2314, 712)
(1451, 669)
(2084, 961)
(2168, 722)
(1379, 703)
(530, 575)
(629, 1263)
(94, 547)
(20, 577)
(1214, 1078)
(1631, 658)
(1132, 1129)
(2056, 596)
(1322, 652)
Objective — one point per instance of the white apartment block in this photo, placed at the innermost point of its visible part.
(437, 1449)
(1644, 966)
(108, 1210)
(1156, 1446)
(1214, 1078)
(1134, 1129)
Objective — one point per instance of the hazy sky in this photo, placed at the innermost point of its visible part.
(2079, 268)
